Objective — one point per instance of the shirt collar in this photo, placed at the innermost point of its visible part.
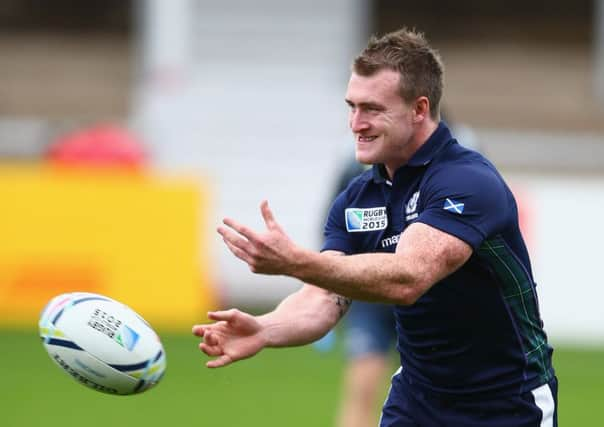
(423, 156)
(379, 174)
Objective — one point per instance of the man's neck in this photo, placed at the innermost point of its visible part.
(419, 138)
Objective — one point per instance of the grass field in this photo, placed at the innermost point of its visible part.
(286, 387)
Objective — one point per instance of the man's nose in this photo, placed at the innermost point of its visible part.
(358, 122)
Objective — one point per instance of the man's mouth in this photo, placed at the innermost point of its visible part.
(361, 138)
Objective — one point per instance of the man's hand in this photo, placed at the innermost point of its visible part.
(235, 335)
(271, 252)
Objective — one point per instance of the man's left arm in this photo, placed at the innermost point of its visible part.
(424, 256)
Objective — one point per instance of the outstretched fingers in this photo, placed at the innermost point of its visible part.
(210, 350)
(267, 215)
(233, 336)
(226, 315)
(235, 239)
(241, 229)
(219, 362)
(199, 330)
(221, 359)
(269, 218)
(211, 344)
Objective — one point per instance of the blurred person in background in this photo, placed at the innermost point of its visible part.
(433, 229)
(369, 337)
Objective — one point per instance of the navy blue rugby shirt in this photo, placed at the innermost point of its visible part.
(478, 330)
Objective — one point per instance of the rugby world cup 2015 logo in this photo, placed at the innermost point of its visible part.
(366, 219)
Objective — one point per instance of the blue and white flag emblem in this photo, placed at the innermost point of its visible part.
(453, 206)
(127, 337)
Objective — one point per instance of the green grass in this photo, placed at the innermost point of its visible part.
(286, 387)
(293, 387)
(580, 375)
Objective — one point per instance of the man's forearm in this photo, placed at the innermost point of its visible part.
(303, 317)
(369, 277)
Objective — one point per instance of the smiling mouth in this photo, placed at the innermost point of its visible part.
(366, 138)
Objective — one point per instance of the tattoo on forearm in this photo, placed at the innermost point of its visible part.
(343, 303)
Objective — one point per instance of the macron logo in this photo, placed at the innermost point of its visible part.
(453, 206)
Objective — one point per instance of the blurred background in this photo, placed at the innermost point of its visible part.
(129, 129)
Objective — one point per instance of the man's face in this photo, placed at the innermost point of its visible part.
(379, 119)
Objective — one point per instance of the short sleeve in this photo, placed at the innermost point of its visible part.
(469, 201)
(336, 237)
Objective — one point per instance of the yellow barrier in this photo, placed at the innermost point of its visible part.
(131, 236)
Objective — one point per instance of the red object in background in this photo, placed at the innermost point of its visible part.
(526, 215)
(104, 146)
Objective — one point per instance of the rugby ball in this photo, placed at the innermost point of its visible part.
(102, 343)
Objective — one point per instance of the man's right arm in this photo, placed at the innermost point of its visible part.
(301, 318)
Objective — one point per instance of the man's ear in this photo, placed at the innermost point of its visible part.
(421, 109)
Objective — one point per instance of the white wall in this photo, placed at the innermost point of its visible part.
(251, 96)
(566, 238)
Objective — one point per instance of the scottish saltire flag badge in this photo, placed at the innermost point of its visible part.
(453, 206)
